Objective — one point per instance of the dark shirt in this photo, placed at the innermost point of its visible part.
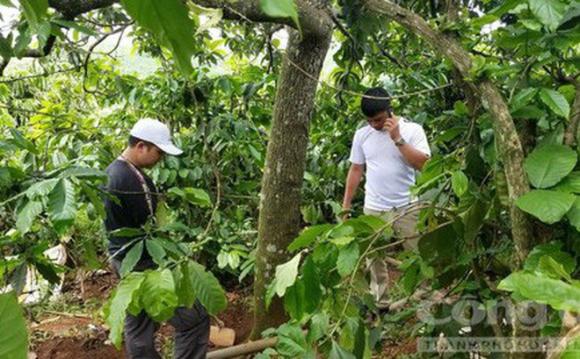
(132, 210)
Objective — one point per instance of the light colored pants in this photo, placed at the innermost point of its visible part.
(404, 227)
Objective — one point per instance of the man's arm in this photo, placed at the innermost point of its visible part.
(352, 181)
(413, 156)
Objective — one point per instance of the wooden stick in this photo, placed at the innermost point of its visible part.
(242, 349)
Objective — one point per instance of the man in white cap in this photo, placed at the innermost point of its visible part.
(136, 193)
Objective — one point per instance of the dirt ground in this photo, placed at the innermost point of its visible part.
(58, 335)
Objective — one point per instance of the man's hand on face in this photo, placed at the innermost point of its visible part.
(392, 126)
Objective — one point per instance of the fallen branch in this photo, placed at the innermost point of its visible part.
(242, 349)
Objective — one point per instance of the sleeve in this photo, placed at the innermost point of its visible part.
(419, 141)
(357, 155)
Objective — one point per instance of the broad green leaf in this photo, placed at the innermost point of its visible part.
(14, 338)
(555, 101)
(156, 251)
(522, 98)
(62, 205)
(158, 295)
(549, 267)
(318, 326)
(169, 22)
(120, 300)
(473, 219)
(294, 299)
(127, 232)
(27, 214)
(42, 188)
(311, 280)
(281, 9)
(131, 258)
(291, 342)
(574, 214)
(549, 12)
(34, 10)
(570, 184)
(337, 352)
(192, 195)
(459, 183)
(347, 259)
(571, 19)
(440, 246)
(547, 206)
(184, 286)
(207, 289)
(308, 236)
(553, 250)
(541, 289)
(549, 164)
(7, 3)
(286, 274)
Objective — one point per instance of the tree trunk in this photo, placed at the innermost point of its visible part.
(279, 220)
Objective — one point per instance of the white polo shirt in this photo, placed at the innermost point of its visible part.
(388, 175)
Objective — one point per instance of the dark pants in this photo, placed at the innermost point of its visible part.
(191, 332)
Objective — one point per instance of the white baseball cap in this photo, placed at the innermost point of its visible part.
(156, 132)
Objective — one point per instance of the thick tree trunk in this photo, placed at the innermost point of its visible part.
(505, 131)
(279, 220)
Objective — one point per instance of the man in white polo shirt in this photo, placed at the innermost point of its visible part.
(392, 149)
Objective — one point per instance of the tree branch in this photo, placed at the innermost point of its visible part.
(312, 16)
(72, 8)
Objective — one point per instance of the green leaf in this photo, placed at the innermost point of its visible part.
(127, 232)
(549, 12)
(207, 289)
(547, 206)
(571, 19)
(62, 205)
(281, 9)
(541, 289)
(549, 164)
(27, 215)
(308, 236)
(294, 299)
(193, 195)
(42, 188)
(440, 246)
(120, 300)
(34, 10)
(14, 338)
(318, 326)
(553, 269)
(337, 352)
(574, 214)
(76, 26)
(131, 258)
(158, 295)
(311, 280)
(286, 275)
(552, 250)
(459, 183)
(291, 342)
(522, 98)
(570, 184)
(473, 219)
(169, 22)
(184, 286)
(156, 251)
(347, 259)
(555, 101)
